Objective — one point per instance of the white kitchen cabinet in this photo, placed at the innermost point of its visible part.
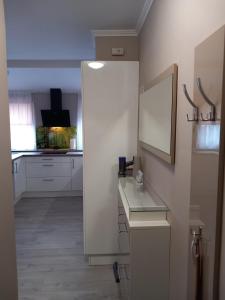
(110, 118)
(48, 174)
(19, 178)
(77, 173)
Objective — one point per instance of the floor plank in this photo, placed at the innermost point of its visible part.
(50, 260)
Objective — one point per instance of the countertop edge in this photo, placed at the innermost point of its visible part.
(36, 154)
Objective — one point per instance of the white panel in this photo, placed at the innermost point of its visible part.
(110, 113)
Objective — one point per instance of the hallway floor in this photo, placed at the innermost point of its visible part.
(51, 264)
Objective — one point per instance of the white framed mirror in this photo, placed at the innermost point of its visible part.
(157, 115)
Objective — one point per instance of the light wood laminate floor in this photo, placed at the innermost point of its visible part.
(51, 264)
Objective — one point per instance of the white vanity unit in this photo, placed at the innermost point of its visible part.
(38, 175)
(144, 243)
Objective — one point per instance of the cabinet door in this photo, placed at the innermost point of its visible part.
(19, 178)
(77, 173)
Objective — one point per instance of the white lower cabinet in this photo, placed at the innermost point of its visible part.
(48, 174)
(19, 178)
(77, 173)
(39, 173)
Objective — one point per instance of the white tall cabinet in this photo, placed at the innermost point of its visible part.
(110, 112)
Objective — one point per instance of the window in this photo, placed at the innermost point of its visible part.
(22, 121)
(208, 137)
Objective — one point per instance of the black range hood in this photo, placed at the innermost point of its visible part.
(56, 116)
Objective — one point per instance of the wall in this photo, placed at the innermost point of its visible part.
(42, 101)
(104, 47)
(8, 280)
(171, 32)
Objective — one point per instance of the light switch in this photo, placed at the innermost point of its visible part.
(117, 51)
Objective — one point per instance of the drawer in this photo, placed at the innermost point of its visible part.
(44, 159)
(48, 169)
(49, 184)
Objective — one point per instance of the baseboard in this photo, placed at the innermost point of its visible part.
(52, 194)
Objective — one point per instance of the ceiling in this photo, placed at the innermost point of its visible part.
(43, 79)
(61, 30)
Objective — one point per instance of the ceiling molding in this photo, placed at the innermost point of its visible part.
(44, 63)
(117, 32)
(144, 13)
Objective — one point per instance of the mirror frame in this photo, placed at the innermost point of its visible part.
(169, 158)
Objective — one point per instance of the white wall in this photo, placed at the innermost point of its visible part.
(42, 101)
(172, 30)
(8, 280)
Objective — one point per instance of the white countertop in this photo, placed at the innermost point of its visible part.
(138, 198)
(142, 209)
(29, 154)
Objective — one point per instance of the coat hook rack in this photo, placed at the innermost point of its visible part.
(195, 107)
(212, 113)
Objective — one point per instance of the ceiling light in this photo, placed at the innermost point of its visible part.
(96, 65)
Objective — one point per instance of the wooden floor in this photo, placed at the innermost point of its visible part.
(51, 265)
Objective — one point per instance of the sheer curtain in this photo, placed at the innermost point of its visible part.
(208, 137)
(22, 121)
(79, 124)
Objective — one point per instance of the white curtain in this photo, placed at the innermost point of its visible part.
(208, 137)
(22, 121)
(79, 124)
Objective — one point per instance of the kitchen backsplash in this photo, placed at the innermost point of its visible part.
(55, 137)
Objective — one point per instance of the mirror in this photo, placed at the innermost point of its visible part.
(157, 115)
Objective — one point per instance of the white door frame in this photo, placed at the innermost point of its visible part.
(8, 273)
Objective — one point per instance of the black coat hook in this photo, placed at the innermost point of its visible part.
(195, 107)
(212, 114)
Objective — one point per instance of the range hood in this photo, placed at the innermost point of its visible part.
(56, 116)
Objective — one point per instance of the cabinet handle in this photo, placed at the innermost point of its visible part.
(47, 165)
(48, 180)
(16, 168)
(73, 163)
(47, 159)
(116, 272)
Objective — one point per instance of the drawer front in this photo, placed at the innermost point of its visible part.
(44, 159)
(49, 184)
(48, 169)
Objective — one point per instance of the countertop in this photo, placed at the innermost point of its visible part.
(38, 153)
(139, 199)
